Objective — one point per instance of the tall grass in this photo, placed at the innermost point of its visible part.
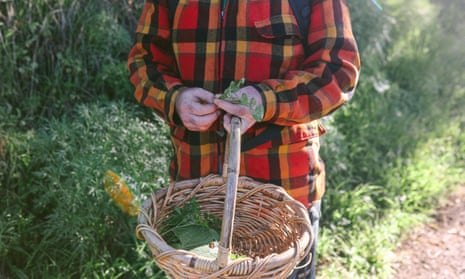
(56, 54)
(58, 218)
(391, 153)
(364, 223)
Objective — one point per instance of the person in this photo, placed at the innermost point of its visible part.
(184, 57)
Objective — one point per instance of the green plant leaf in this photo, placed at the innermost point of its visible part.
(234, 86)
(194, 235)
(188, 227)
(258, 113)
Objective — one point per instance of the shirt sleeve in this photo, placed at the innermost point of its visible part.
(151, 61)
(329, 74)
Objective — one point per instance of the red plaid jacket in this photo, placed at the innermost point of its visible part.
(210, 44)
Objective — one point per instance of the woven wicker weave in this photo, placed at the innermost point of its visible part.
(267, 225)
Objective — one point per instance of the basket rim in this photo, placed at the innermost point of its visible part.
(185, 257)
(160, 248)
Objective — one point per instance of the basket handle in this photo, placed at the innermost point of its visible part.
(231, 169)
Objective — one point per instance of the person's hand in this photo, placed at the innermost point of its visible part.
(243, 112)
(196, 109)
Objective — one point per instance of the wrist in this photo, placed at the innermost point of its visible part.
(269, 101)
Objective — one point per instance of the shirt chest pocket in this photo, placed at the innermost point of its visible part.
(275, 41)
(279, 28)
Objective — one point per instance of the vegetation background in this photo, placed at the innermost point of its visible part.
(67, 115)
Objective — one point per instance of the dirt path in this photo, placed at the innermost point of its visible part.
(436, 250)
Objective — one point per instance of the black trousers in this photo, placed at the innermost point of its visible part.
(308, 272)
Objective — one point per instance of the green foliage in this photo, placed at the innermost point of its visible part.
(58, 218)
(60, 53)
(371, 28)
(187, 227)
(390, 154)
(229, 95)
(401, 132)
(365, 226)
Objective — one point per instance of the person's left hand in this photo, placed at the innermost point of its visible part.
(241, 111)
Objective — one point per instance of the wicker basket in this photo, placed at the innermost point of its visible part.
(260, 221)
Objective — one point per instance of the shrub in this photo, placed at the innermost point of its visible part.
(58, 219)
(61, 53)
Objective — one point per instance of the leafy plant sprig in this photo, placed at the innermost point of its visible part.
(188, 227)
(228, 95)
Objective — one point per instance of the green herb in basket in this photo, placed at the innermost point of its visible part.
(188, 227)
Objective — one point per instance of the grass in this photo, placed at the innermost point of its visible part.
(393, 151)
(62, 53)
(68, 116)
(57, 207)
(360, 238)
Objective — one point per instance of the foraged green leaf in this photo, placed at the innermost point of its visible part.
(191, 236)
(244, 99)
(234, 86)
(188, 227)
(258, 113)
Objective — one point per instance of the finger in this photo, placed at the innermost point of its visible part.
(234, 109)
(196, 101)
(206, 97)
(245, 124)
(200, 123)
(202, 108)
(203, 96)
(227, 122)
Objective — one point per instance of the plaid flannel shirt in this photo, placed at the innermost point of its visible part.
(209, 43)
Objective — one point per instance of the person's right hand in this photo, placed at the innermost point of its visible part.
(242, 111)
(196, 109)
